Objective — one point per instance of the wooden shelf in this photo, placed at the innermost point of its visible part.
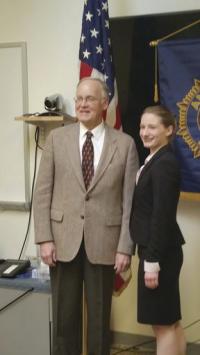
(43, 120)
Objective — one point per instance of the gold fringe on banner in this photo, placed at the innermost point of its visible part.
(188, 196)
(155, 93)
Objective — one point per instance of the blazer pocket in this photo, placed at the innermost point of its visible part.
(114, 220)
(56, 215)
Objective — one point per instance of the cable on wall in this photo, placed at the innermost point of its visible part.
(37, 135)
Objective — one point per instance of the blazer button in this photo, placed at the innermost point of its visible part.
(87, 198)
(82, 216)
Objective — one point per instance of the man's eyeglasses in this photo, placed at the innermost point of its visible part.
(88, 99)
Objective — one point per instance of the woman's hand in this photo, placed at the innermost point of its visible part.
(151, 279)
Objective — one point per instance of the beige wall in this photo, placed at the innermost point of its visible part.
(139, 7)
(51, 29)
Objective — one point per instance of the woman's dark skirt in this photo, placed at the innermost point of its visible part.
(161, 306)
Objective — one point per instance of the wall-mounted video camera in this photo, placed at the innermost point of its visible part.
(53, 103)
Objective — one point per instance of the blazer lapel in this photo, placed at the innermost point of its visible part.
(72, 142)
(109, 147)
(156, 156)
(108, 150)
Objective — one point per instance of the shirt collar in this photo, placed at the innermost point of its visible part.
(148, 158)
(97, 131)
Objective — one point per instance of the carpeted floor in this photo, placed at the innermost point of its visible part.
(192, 349)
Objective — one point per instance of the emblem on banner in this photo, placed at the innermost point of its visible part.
(189, 119)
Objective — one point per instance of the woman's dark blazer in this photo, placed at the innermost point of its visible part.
(153, 221)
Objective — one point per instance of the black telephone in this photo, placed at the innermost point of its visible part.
(10, 267)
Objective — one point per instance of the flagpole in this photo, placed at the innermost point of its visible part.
(155, 42)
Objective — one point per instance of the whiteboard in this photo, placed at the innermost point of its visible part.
(14, 144)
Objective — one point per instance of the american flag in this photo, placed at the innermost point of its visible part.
(96, 55)
(96, 61)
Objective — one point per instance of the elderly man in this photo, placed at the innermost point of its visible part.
(82, 208)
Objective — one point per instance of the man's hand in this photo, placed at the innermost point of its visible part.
(122, 262)
(151, 279)
(48, 253)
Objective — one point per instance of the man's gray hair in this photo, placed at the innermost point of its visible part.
(101, 82)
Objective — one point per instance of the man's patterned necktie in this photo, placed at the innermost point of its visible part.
(88, 159)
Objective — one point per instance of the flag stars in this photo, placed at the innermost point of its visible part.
(95, 47)
(99, 49)
(86, 54)
(94, 33)
(88, 16)
(106, 24)
(82, 38)
(105, 6)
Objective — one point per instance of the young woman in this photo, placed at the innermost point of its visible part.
(156, 233)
